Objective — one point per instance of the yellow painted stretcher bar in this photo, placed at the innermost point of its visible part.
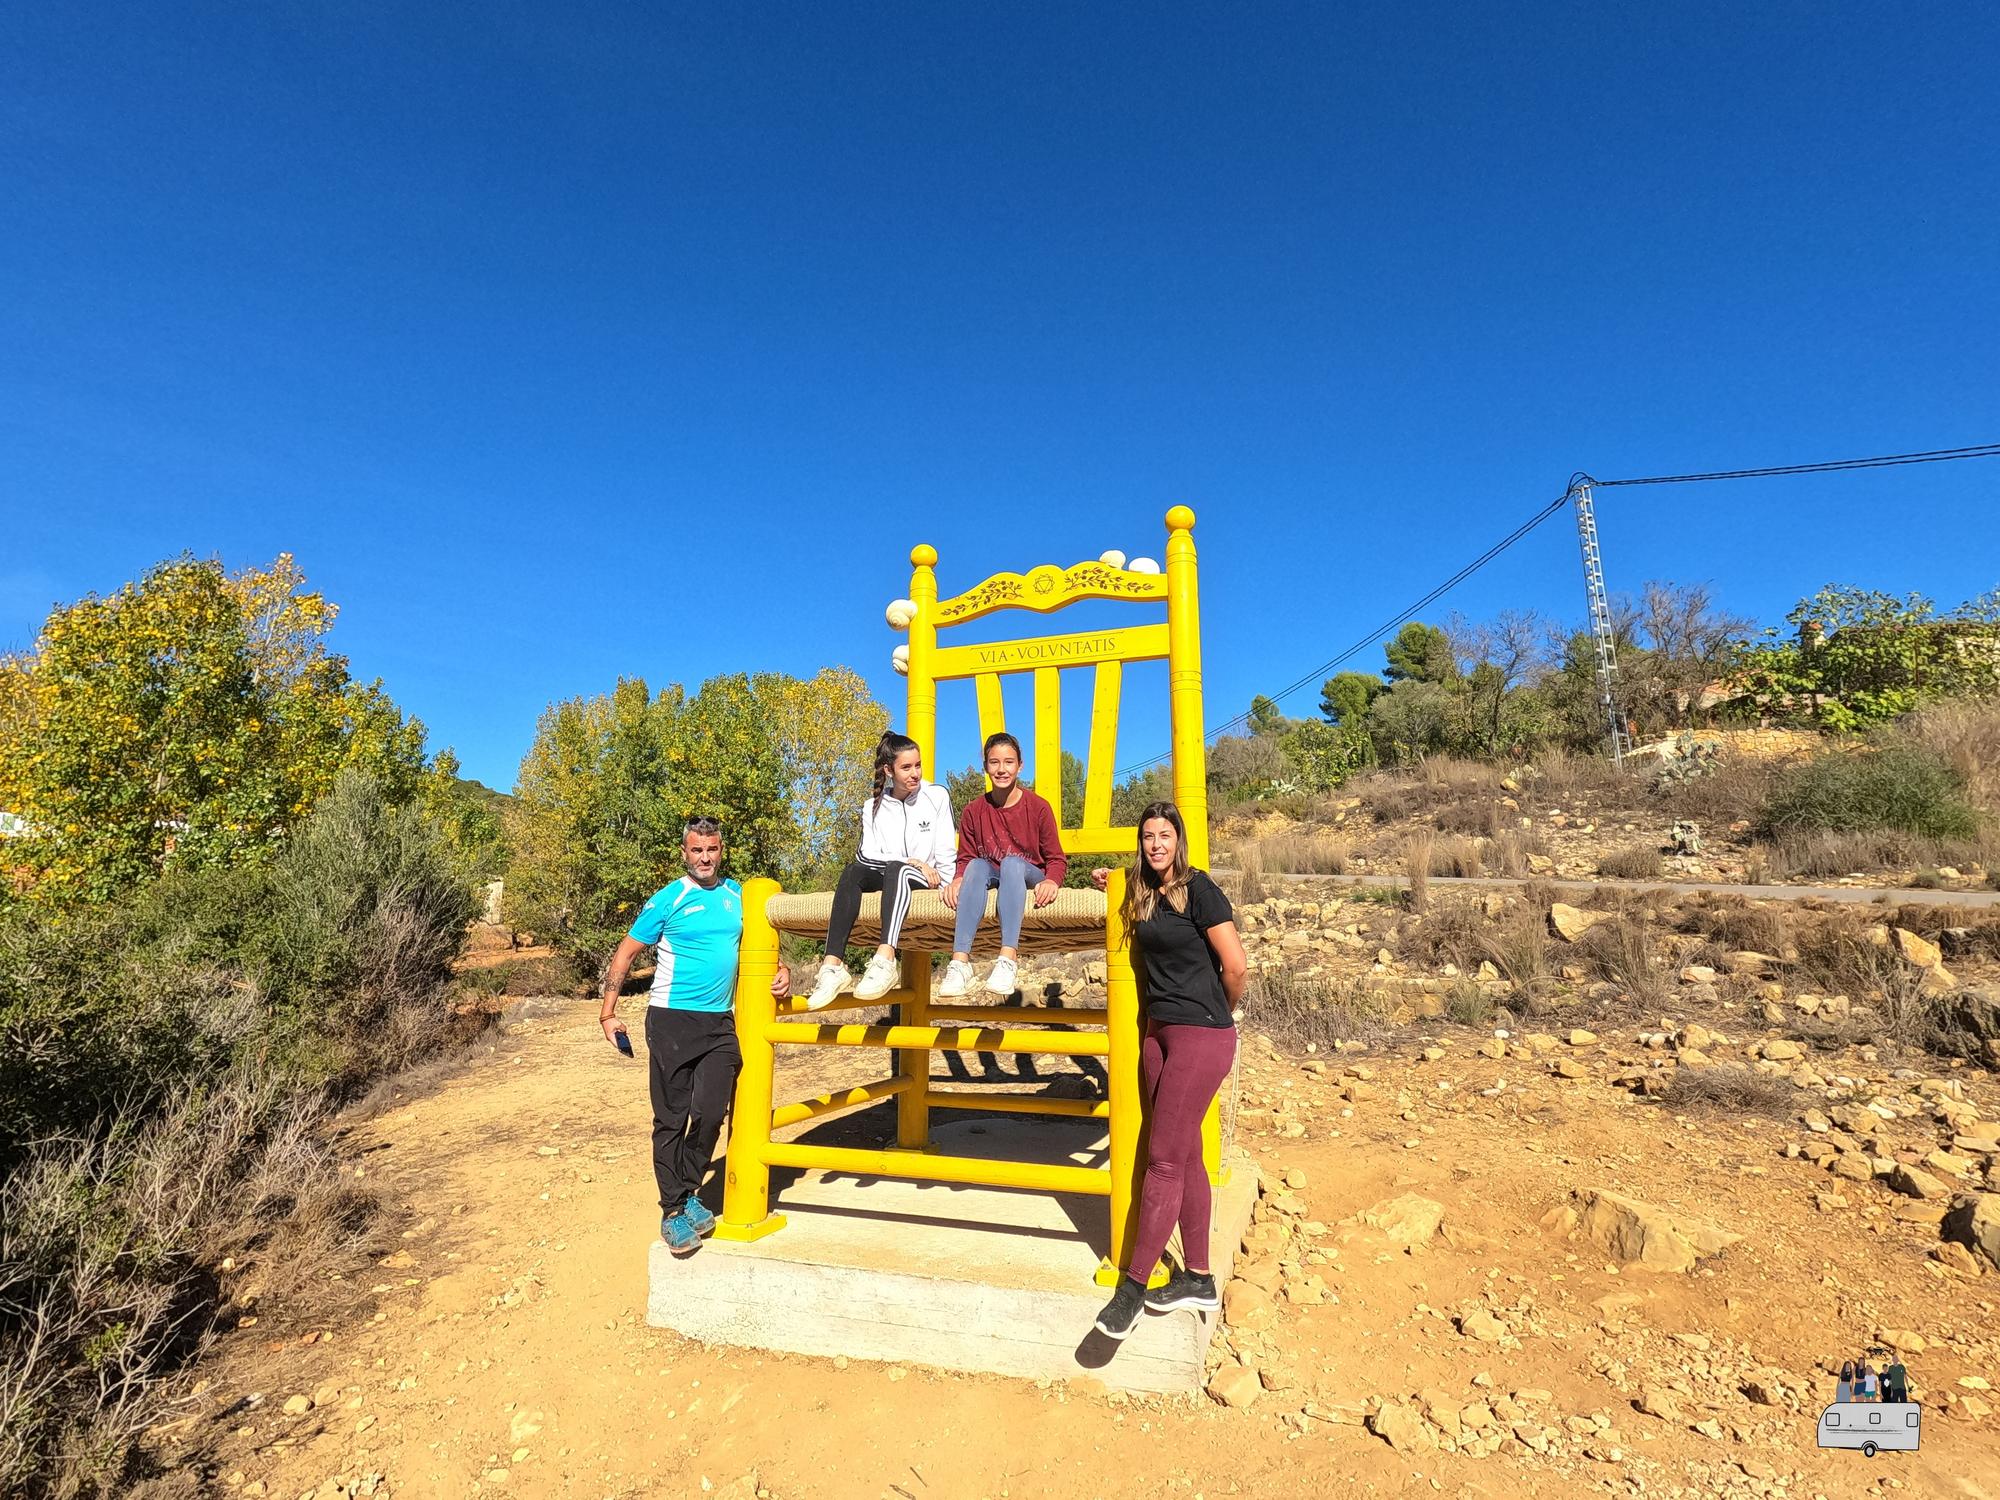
(1019, 1104)
(839, 1099)
(1017, 1015)
(796, 1005)
(942, 1039)
(1095, 1181)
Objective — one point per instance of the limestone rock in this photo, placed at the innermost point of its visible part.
(1974, 1222)
(1399, 1425)
(1308, 1290)
(1955, 1257)
(1266, 1273)
(1947, 1162)
(1480, 1324)
(1408, 1219)
(298, 1406)
(1572, 922)
(1658, 1401)
(1696, 1037)
(1917, 1183)
(1857, 1120)
(1442, 1410)
(1748, 961)
(1781, 1051)
(1919, 951)
(1265, 1237)
(1248, 1307)
(1236, 1386)
(1645, 1236)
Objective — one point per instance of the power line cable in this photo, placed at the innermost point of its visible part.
(1318, 674)
(1828, 466)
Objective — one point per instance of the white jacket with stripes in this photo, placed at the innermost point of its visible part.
(917, 828)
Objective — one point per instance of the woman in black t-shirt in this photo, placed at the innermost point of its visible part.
(1190, 967)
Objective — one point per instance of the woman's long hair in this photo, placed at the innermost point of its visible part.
(1144, 890)
(887, 749)
(1847, 1370)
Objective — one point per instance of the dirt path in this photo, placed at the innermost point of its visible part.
(505, 1351)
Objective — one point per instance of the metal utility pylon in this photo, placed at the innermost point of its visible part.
(1600, 615)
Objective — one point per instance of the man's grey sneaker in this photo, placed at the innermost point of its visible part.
(1190, 1289)
(957, 980)
(1001, 980)
(680, 1235)
(700, 1215)
(878, 978)
(1121, 1313)
(832, 979)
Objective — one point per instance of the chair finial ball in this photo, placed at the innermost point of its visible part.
(900, 613)
(1180, 518)
(1112, 559)
(1143, 565)
(900, 660)
(923, 555)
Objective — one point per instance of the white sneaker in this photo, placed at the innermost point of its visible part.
(957, 980)
(833, 978)
(878, 978)
(1001, 980)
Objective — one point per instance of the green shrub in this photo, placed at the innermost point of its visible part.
(368, 911)
(1898, 787)
(96, 1026)
(168, 1062)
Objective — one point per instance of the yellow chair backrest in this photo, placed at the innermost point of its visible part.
(1176, 640)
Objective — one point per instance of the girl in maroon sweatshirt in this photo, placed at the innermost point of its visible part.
(1008, 838)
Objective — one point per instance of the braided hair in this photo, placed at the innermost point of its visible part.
(887, 749)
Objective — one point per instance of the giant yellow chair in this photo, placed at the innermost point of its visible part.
(1076, 919)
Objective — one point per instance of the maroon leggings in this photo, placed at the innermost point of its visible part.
(1181, 1067)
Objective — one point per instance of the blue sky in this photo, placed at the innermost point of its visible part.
(565, 343)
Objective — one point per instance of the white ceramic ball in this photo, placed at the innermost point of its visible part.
(900, 660)
(1143, 565)
(1112, 559)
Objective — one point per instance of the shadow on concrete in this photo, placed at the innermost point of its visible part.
(1096, 1350)
(1065, 1142)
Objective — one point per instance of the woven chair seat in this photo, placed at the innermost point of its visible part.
(1071, 923)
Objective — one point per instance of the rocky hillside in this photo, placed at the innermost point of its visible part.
(1579, 818)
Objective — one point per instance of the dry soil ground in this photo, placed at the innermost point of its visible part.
(501, 1348)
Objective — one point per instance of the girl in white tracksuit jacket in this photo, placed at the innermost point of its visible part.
(907, 843)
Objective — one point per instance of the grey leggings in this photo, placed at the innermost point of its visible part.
(1015, 877)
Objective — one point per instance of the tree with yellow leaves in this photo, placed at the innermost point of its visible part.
(192, 717)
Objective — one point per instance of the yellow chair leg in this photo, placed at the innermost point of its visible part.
(913, 1109)
(746, 1194)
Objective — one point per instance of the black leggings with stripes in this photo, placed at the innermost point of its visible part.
(894, 879)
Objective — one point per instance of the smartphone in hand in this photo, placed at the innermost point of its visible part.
(624, 1043)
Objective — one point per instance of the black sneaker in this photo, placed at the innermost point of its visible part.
(1121, 1313)
(1190, 1289)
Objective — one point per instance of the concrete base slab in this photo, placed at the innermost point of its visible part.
(960, 1278)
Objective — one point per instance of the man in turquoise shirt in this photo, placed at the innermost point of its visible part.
(695, 927)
